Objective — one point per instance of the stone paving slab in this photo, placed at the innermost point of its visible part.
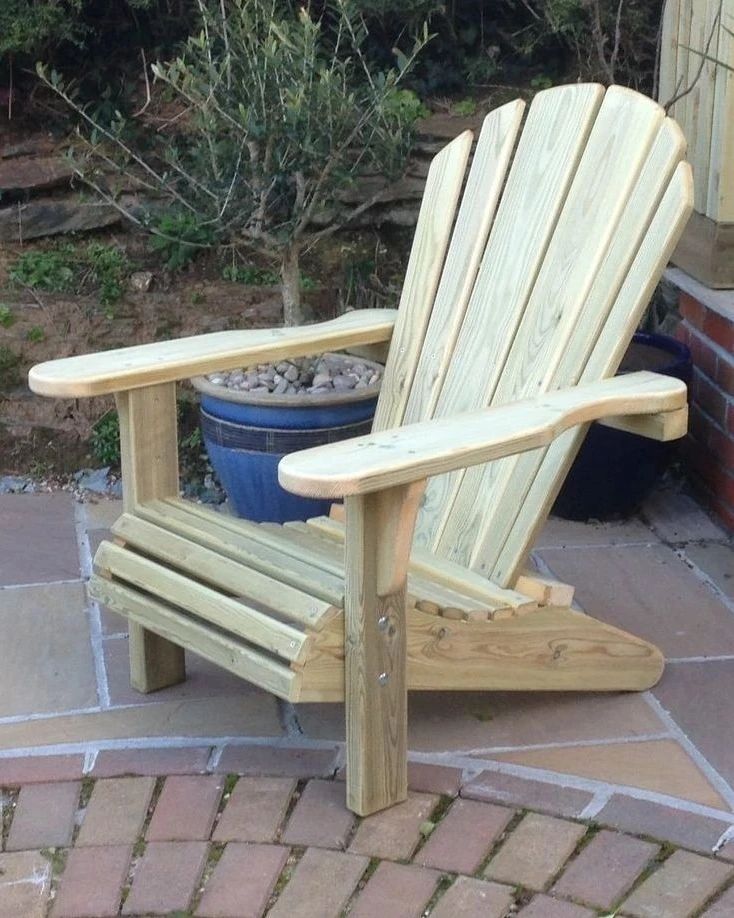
(534, 865)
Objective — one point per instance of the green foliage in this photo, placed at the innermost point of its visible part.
(250, 275)
(179, 237)
(466, 107)
(407, 106)
(109, 269)
(30, 26)
(9, 374)
(279, 114)
(45, 269)
(66, 269)
(6, 316)
(105, 440)
(35, 334)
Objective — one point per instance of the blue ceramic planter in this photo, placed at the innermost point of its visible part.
(614, 471)
(246, 437)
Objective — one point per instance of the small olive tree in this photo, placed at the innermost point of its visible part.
(276, 114)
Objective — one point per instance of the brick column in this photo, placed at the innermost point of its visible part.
(707, 327)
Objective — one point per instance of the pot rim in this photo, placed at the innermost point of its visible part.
(337, 397)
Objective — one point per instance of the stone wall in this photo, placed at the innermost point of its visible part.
(707, 327)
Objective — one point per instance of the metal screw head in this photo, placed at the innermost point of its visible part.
(383, 678)
(382, 622)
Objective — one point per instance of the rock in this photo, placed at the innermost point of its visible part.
(34, 173)
(141, 281)
(344, 382)
(291, 374)
(321, 379)
(280, 387)
(50, 216)
(93, 480)
(15, 484)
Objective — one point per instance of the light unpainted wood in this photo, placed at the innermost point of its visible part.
(553, 138)
(206, 603)
(435, 219)
(220, 534)
(609, 345)
(511, 494)
(218, 571)
(394, 457)
(665, 426)
(149, 463)
(378, 537)
(720, 202)
(329, 554)
(706, 251)
(468, 241)
(172, 625)
(702, 73)
(439, 571)
(546, 590)
(555, 649)
(167, 361)
(623, 133)
(668, 50)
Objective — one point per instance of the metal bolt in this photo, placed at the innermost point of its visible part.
(382, 622)
(383, 678)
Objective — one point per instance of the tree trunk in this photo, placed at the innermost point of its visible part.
(294, 311)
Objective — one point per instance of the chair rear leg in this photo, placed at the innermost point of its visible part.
(155, 663)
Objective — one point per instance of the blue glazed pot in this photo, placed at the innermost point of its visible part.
(246, 436)
(615, 471)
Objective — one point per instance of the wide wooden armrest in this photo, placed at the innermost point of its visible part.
(167, 361)
(417, 451)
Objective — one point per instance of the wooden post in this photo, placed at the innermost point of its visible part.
(149, 458)
(379, 532)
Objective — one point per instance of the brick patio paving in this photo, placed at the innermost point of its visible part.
(126, 790)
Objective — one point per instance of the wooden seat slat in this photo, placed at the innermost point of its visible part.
(220, 648)
(220, 571)
(203, 601)
(216, 532)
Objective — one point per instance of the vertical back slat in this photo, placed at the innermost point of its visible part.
(720, 199)
(435, 220)
(550, 147)
(702, 74)
(479, 201)
(656, 248)
(623, 133)
(668, 51)
(666, 153)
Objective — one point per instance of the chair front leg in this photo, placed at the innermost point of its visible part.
(149, 459)
(379, 533)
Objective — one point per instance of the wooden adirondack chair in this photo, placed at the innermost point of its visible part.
(518, 305)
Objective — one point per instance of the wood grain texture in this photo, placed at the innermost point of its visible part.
(624, 131)
(468, 241)
(668, 50)
(171, 625)
(720, 200)
(182, 591)
(168, 361)
(432, 232)
(505, 487)
(149, 461)
(219, 571)
(555, 649)
(221, 535)
(379, 530)
(403, 455)
(552, 141)
(609, 346)
(440, 571)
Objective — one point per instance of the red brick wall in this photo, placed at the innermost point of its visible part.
(709, 447)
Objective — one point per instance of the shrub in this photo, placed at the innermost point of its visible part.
(278, 114)
(66, 269)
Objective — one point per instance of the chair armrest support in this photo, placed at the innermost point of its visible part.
(406, 454)
(168, 361)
